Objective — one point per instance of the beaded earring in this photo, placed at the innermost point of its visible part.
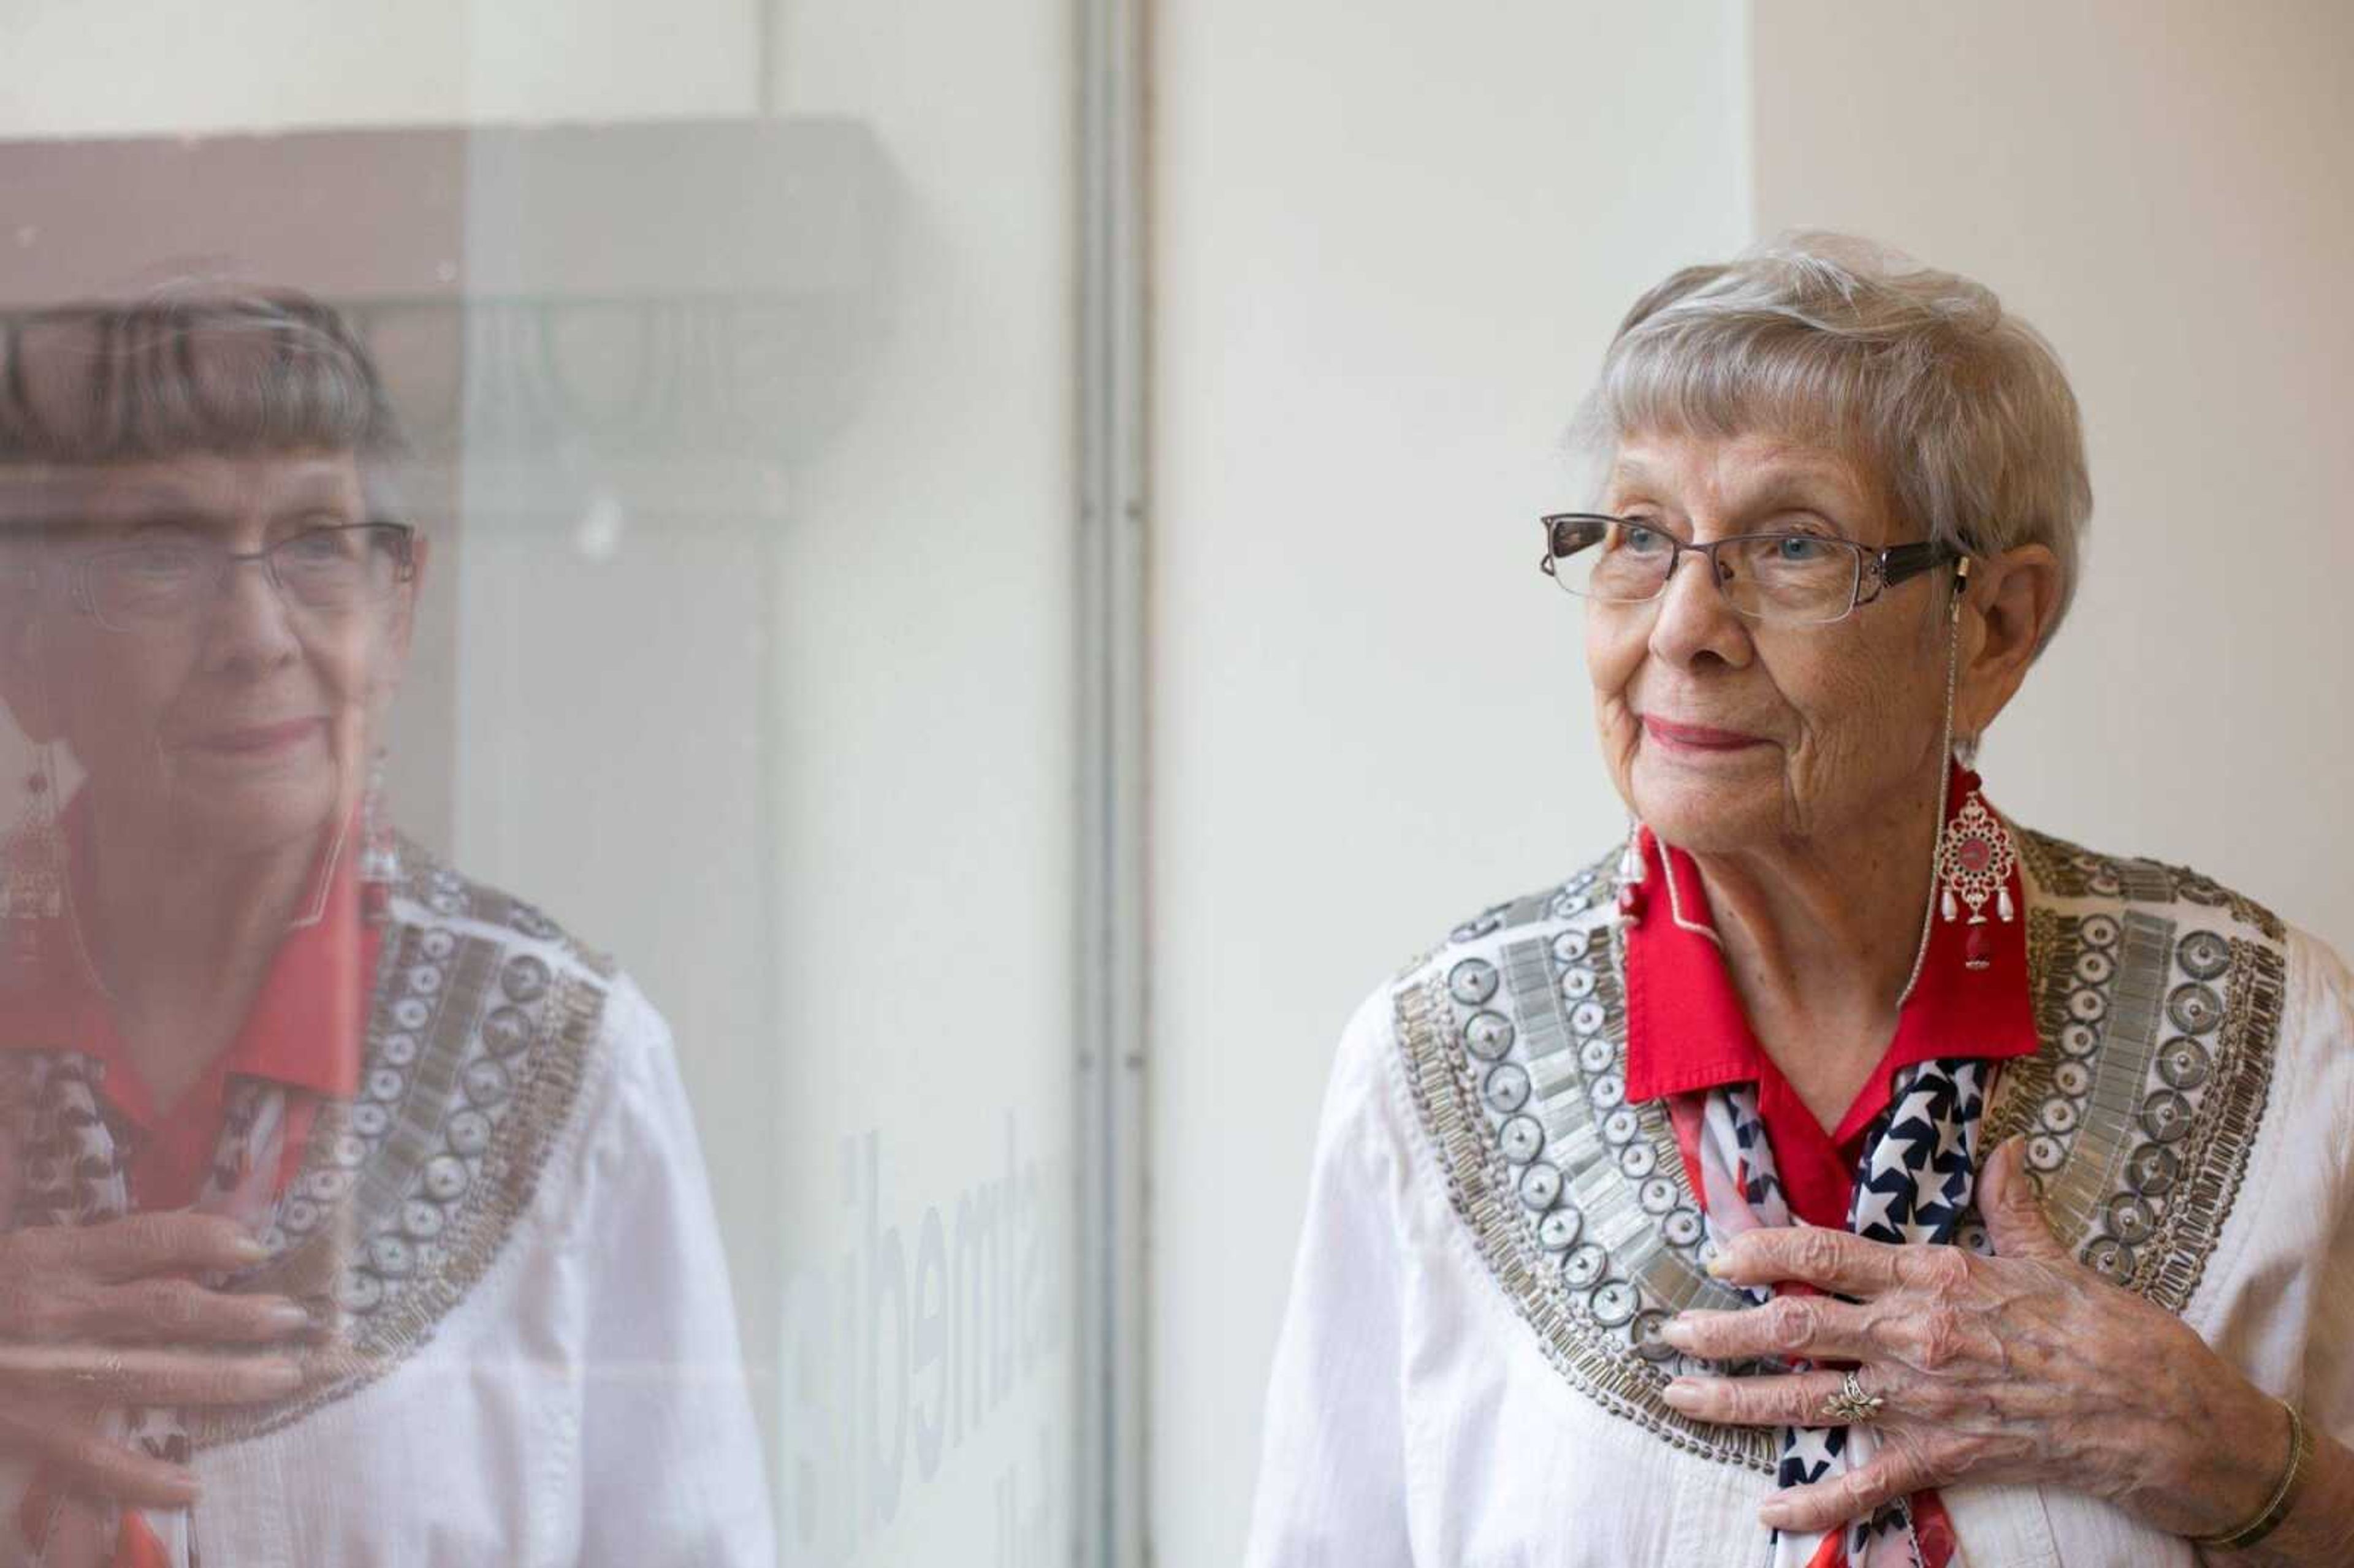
(1975, 860)
(1631, 874)
(379, 848)
(33, 874)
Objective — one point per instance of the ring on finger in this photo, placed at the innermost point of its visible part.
(109, 1369)
(1851, 1407)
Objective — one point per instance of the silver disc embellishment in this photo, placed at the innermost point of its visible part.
(1487, 1036)
(1471, 982)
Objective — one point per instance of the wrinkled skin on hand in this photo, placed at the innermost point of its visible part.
(2022, 1367)
(105, 1316)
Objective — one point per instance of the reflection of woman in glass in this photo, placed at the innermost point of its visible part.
(1833, 1173)
(352, 1210)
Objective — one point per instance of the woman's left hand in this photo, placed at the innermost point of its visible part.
(2025, 1366)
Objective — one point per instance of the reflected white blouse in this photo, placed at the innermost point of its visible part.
(1456, 1387)
(565, 1386)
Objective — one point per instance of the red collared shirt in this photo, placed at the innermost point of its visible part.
(304, 1032)
(1686, 1030)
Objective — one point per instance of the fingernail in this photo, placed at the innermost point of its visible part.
(1775, 1515)
(186, 1483)
(288, 1318)
(1683, 1393)
(1676, 1332)
(1721, 1266)
(248, 1249)
(282, 1373)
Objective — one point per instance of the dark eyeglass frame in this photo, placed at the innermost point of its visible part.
(1874, 569)
(402, 539)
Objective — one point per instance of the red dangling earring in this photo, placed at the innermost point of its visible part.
(33, 876)
(1631, 873)
(1975, 860)
(379, 849)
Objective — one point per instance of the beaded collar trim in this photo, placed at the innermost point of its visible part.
(2159, 1004)
(481, 1033)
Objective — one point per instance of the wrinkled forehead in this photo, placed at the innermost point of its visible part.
(1754, 469)
(208, 492)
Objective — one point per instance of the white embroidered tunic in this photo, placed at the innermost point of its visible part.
(1467, 1375)
(584, 1402)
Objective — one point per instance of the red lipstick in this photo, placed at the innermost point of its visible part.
(258, 740)
(1695, 737)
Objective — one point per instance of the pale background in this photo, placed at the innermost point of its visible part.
(1390, 241)
(1393, 240)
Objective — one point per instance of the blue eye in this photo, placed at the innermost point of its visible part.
(1798, 550)
(1634, 536)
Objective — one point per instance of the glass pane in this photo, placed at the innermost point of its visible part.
(715, 364)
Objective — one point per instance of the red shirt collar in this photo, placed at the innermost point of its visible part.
(1686, 1030)
(306, 1025)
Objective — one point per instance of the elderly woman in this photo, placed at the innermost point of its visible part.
(1837, 1171)
(352, 1211)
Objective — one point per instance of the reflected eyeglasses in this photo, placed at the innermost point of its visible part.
(330, 571)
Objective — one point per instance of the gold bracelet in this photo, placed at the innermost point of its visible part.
(2283, 1498)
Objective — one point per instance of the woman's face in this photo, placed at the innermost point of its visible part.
(1727, 735)
(244, 724)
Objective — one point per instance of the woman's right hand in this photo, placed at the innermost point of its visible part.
(103, 1316)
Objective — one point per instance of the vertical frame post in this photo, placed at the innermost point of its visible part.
(1109, 1512)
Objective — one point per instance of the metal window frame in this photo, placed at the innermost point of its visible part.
(1109, 1517)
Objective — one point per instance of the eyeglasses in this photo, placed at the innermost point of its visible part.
(1787, 579)
(330, 572)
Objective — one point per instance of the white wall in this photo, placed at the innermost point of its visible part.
(1391, 244)
(2163, 189)
(1392, 239)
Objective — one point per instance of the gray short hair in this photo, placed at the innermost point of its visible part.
(1958, 407)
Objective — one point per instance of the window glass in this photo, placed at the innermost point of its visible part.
(538, 628)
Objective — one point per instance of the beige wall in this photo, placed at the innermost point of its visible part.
(2163, 188)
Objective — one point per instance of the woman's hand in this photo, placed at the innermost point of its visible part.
(101, 1316)
(2025, 1366)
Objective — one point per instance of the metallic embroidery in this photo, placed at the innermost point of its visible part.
(1514, 1049)
(476, 1050)
(2158, 998)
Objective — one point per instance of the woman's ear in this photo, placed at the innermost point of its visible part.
(2006, 610)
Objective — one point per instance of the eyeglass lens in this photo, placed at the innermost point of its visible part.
(1794, 578)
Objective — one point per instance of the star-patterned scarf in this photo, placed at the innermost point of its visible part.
(1914, 1184)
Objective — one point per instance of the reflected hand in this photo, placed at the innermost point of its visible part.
(101, 1316)
(2022, 1367)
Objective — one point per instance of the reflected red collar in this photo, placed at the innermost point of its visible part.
(1686, 1030)
(306, 1027)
